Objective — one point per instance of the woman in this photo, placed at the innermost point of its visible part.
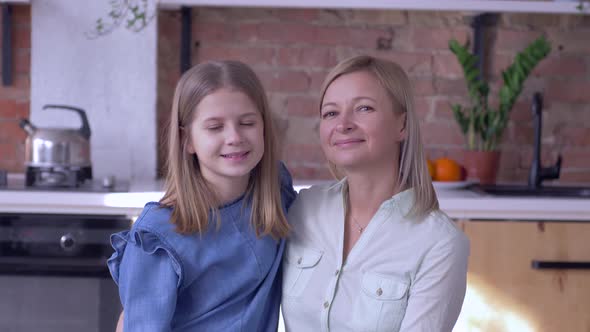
(372, 252)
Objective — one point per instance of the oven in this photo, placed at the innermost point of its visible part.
(53, 273)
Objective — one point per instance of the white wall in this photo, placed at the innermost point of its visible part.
(113, 78)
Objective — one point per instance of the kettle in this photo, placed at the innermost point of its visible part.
(58, 147)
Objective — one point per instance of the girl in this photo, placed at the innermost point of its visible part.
(372, 252)
(206, 257)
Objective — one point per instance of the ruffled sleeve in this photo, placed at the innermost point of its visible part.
(149, 274)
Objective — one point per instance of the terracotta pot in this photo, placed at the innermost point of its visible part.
(481, 166)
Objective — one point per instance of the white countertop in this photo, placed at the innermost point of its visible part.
(458, 203)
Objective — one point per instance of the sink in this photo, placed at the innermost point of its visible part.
(523, 190)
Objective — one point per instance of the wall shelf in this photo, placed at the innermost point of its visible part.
(494, 6)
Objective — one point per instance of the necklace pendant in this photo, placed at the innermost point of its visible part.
(360, 229)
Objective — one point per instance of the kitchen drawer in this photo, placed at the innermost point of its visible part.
(506, 293)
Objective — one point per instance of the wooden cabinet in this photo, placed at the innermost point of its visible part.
(506, 294)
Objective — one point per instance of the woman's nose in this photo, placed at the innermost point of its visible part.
(346, 123)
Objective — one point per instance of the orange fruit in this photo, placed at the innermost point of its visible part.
(447, 169)
(431, 168)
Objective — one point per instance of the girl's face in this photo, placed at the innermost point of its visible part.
(358, 125)
(227, 136)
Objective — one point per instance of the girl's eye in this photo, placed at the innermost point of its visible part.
(248, 124)
(328, 114)
(214, 128)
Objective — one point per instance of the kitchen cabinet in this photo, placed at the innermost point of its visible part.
(506, 294)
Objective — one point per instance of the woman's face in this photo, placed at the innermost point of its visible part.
(358, 125)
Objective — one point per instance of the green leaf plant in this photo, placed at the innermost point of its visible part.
(481, 123)
(135, 15)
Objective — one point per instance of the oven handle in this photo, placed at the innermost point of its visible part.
(559, 265)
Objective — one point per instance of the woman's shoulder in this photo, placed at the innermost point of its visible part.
(444, 230)
(320, 191)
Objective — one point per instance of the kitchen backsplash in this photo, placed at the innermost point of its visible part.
(292, 50)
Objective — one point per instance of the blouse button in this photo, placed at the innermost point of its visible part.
(299, 261)
(326, 304)
(337, 271)
(379, 292)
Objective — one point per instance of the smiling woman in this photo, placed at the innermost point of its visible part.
(372, 252)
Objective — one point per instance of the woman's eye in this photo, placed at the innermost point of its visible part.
(365, 108)
(328, 114)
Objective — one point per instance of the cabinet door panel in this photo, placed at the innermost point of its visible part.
(506, 294)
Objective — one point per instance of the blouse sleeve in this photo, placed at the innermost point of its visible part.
(288, 194)
(436, 296)
(148, 276)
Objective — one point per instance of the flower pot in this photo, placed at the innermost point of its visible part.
(481, 166)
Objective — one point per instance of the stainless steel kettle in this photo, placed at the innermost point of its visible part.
(58, 147)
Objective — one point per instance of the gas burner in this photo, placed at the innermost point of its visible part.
(57, 177)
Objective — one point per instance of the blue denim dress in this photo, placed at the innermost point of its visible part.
(223, 280)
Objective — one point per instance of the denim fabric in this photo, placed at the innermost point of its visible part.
(225, 279)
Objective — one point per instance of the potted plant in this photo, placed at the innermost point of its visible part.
(481, 123)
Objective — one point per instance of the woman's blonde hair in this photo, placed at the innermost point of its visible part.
(187, 192)
(413, 171)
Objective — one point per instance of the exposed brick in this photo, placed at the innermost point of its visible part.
(570, 41)
(306, 57)
(535, 21)
(379, 17)
(22, 15)
(298, 15)
(422, 107)
(317, 79)
(451, 87)
(413, 63)
(443, 110)
(573, 136)
(434, 133)
(447, 66)
(435, 19)
(575, 158)
(569, 91)
(576, 177)
(287, 32)
(22, 62)
(285, 80)
(10, 132)
(423, 86)
(21, 38)
(302, 130)
(214, 31)
(12, 109)
(566, 66)
(520, 134)
(353, 37)
(7, 153)
(249, 55)
(302, 106)
(438, 39)
(513, 40)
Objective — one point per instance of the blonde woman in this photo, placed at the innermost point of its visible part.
(372, 252)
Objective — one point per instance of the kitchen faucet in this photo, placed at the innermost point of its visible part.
(538, 173)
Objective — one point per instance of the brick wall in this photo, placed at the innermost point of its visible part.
(292, 50)
(14, 99)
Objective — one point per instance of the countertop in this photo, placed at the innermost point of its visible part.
(457, 203)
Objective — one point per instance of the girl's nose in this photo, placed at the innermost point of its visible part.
(234, 136)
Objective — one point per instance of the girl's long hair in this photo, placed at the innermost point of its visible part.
(193, 200)
(412, 170)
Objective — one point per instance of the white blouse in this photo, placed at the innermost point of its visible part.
(401, 275)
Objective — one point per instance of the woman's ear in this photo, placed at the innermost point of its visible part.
(403, 132)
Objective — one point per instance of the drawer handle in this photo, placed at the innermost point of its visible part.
(546, 265)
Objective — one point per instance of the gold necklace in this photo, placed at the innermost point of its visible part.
(360, 228)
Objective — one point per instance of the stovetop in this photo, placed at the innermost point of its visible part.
(94, 186)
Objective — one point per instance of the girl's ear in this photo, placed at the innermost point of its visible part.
(183, 138)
